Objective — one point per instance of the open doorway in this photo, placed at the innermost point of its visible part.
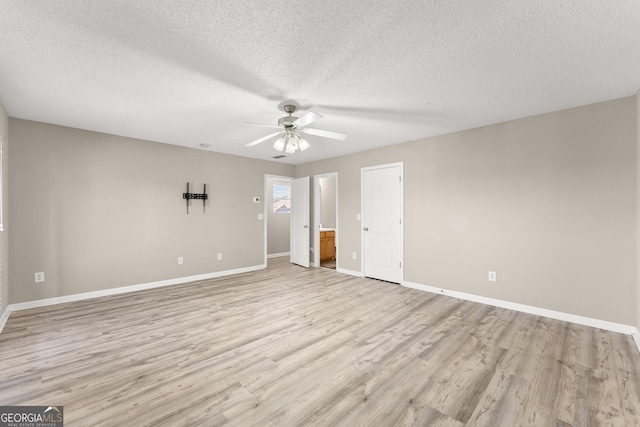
(277, 216)
(326, 220)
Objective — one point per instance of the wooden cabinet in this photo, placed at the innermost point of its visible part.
(327, 245)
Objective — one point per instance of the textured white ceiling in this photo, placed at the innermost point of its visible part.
(383, 72)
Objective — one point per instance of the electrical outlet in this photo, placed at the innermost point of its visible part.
(39, 277)
(354, 255)
(219, 256)
(180, 260)
(492, 276)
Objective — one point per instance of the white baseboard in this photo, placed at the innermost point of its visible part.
(4, 317)
(278, 255)
(349, 272)
(581, 320)
(558, 315)
(636, 337)
(123, 290)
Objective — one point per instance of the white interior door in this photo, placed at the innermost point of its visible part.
(382, 222)
(299, 251)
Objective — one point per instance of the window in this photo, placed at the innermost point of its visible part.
(282, 198)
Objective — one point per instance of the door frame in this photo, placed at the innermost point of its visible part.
(362, 244)
(316, 217)
(265, 215)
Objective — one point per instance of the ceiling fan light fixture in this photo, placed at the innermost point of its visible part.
(292, 146)
(279, 144)
(303, 144)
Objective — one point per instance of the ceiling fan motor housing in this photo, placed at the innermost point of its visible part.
(287, 122)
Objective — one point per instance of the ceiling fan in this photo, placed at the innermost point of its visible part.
(290, 127)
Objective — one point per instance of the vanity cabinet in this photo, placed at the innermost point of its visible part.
(327, 245)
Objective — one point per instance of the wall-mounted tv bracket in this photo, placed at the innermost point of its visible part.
(200, 196)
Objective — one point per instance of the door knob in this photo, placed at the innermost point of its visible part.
(306, 226)
(366, 229)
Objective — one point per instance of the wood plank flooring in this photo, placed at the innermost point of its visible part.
(294, 347)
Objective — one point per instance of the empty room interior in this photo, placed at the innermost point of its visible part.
(322, 213)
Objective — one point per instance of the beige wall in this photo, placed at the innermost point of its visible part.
(548, 202)
(96, 211)
(278, 224)
(638, 210)
(4, 240)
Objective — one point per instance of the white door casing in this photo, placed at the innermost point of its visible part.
(299, 250)
(382, 222)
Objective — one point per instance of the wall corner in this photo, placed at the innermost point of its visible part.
(4, 214)
(638, 210)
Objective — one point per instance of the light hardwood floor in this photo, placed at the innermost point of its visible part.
(291, 347)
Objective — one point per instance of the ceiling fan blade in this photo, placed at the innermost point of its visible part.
(262, 124)
(308, 118)
(264, 138)
(325, 133)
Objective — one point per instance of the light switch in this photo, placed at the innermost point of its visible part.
(261, 216)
